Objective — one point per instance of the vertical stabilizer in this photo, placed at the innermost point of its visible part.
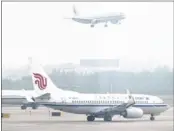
(75, 11)
(41, 81)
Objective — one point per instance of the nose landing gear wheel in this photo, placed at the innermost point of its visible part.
(106, 25)
(152, 118)
(23, 107)
(92, 26)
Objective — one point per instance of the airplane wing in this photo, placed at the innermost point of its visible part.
(45, 96)
(32, 99)
(86, 20)
(119, 108)
(94, 21)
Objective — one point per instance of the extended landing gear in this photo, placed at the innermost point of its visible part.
(92, 26)
(23, 107)
(34, 107)
(90, 118)
(152, 118)
(107, 118)
(106, 24)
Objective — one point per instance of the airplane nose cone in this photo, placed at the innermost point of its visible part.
(122, 15)
(168, 106)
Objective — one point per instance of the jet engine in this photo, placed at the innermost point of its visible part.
(114, 21)
(93, 22)
(132, 112)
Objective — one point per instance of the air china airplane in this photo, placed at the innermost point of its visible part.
(93, 105)
(114, 18)
(18, 97)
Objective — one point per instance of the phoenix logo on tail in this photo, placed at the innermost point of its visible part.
(40, 81)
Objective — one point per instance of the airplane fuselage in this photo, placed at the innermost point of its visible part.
(98, 19)
(92, 103)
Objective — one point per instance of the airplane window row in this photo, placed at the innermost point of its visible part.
(111, 102)
(109, 97)
(139, 98)
(98, 102)
(141, 102)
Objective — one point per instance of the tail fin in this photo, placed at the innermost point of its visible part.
(75, 11)
(41, 81)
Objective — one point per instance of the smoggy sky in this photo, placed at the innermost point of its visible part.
(38, 29)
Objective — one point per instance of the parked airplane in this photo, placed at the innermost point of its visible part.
(114, 18)
(19, 98)
(93, 105)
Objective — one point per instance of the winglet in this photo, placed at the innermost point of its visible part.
(127, 92)
(30, 60)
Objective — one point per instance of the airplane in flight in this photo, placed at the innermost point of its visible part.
(103, 106)
(114, 18)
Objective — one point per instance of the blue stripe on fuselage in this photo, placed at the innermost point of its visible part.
(136, 105)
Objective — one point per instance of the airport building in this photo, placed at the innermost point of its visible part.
(100, 63)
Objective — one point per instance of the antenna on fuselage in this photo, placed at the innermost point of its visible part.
(111, 88)
(127, 91)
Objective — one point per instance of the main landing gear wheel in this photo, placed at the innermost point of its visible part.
(34, 107)
(107, 118)
(90, 118)
(152, 118)
(23, 107)
(92, 26)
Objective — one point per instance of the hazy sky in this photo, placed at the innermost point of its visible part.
(144, 39)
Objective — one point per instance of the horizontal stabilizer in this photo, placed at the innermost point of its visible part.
(45, 96)
(28, 98)
(67, 18)
(127, 92)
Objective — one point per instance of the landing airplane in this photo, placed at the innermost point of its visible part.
(93, 105)
(114, 18)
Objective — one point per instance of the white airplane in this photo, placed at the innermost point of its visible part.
(93, 105)
(19, 97)
(114, 18)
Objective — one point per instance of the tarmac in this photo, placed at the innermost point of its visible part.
(41, 120)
